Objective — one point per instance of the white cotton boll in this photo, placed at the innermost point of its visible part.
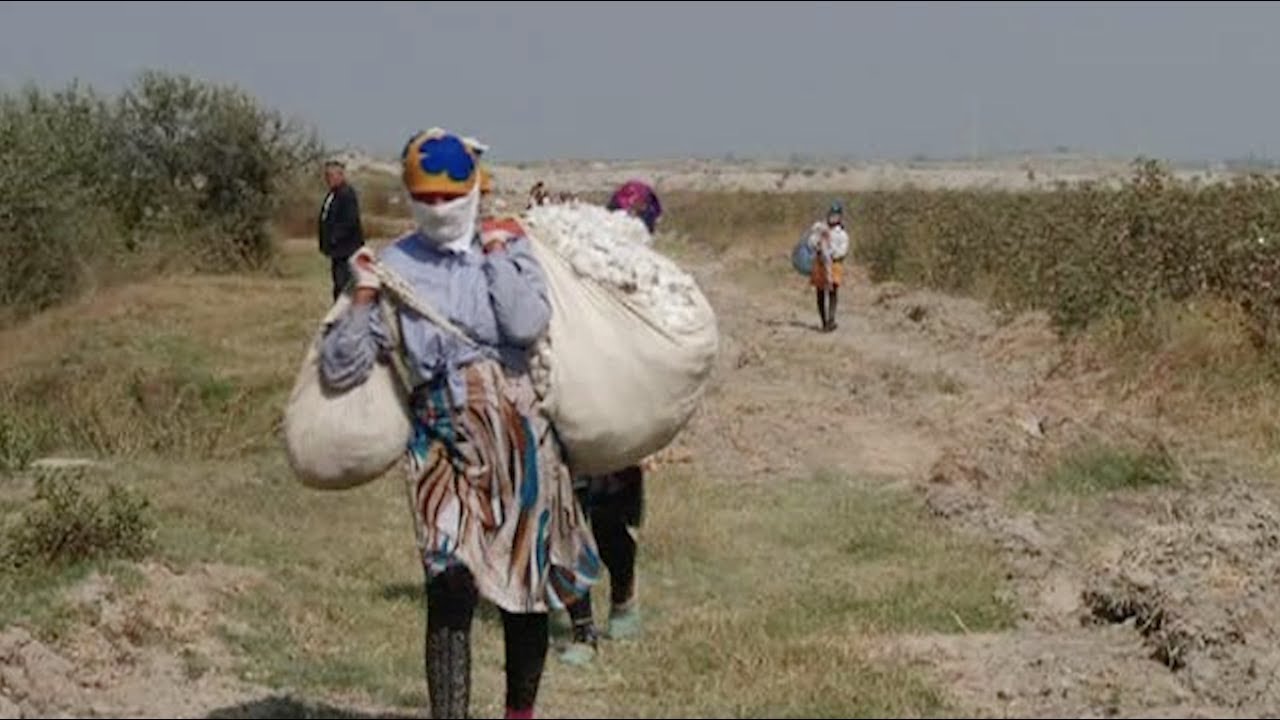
(614, 248)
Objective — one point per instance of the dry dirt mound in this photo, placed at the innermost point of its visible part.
(1053, 674)
(939, 394)
(146, 652)
(1199, 587)
(990, 403)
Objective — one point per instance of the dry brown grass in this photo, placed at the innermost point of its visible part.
(1195, 368)
(758, 600)
(751, 608)
(1085, 254)
(382, 210)
(1195, 359)
(183, 366)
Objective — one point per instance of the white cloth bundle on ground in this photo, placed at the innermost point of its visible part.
(632, 341)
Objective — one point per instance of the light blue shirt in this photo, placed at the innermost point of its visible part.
(499, 300)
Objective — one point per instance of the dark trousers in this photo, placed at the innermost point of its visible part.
(614, 509)
(828, 299)
(340, 269)
(612, 519)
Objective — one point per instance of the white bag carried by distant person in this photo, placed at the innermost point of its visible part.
(340, 440)
(619, 374)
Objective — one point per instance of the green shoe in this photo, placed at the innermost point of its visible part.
(624, 624)
(578, 654)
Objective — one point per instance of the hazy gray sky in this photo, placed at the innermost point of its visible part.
(536, 80)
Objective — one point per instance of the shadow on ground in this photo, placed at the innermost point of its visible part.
(415, 594)
(776, 323)
(281, 707)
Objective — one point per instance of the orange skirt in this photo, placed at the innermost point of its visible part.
(818, 276)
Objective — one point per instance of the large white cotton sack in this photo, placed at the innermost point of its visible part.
(337, 441)
(632, 340)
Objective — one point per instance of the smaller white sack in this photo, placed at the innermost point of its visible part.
(337, 441)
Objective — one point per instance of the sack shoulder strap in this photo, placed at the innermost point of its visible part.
(403, 293)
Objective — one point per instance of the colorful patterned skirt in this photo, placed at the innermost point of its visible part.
(489, 491)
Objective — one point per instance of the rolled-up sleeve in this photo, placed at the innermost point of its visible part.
(518, 291)
(352, 345)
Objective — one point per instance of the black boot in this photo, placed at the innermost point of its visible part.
(822, 308)
(525, 641)
(831, 309)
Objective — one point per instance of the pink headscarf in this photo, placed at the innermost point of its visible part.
(639, 198)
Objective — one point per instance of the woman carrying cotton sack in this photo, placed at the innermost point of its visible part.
(614, 502)
(492, 500)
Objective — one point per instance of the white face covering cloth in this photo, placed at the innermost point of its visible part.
(450, 225)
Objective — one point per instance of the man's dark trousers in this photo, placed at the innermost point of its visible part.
(341, 271)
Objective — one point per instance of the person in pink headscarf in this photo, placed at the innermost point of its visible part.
(614, 503)
(638, 199)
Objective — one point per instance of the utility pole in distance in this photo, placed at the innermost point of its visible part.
(973, 129)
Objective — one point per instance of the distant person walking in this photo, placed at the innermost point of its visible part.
(830, 243)
(341, 234)
(538, 195)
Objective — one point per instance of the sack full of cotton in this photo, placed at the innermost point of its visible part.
(632, 341)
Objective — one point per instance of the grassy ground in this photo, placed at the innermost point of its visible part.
(1089, 476)
(750, 612)
(760, 599)
(769, 594)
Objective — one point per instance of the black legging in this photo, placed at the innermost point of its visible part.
(827, 301)
(613, 515)
(451, 604)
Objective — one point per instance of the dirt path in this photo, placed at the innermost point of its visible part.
(1157, 604)
(1163, 606)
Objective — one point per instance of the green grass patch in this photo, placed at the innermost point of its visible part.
(1094, 469)
(757, 600)
(55, 532)
(70, 522)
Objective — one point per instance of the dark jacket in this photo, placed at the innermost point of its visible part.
(340, 231)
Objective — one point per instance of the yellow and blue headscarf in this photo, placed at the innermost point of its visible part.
(436, 161)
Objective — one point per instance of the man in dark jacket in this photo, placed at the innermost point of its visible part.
(340, 232)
